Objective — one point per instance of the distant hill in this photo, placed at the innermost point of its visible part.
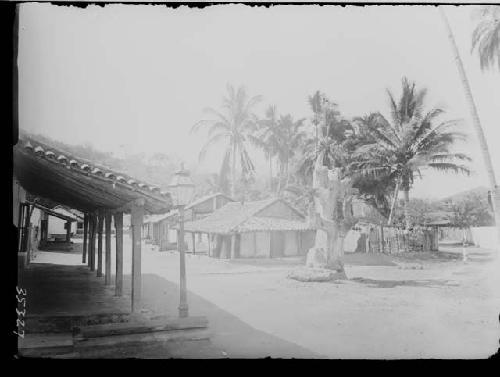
(481, 191)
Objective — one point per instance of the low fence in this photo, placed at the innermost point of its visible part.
(392, 240)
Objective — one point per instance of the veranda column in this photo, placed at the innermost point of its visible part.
(107, 268)
(193, 235)
(209, 244)
(68, 231)
(91, 257)
(136, 219)
(85, 235)
(119, 253)
(99, 243)
(233, 246)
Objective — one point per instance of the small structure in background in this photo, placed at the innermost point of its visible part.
(161, 229)
(266, 228)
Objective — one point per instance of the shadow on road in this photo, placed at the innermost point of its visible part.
(372, 283)
(230, 336)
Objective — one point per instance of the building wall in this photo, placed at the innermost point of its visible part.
(56, 226)
(18, 196)
(291, 243)
(247, 245)
(263, 244)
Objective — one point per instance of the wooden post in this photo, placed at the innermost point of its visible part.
(68, 231)
(381, 238)
(26, 228)
(209, 244)
(107, 268)
(136, 220)
(99, 242)
(254, 244)
(193, 235)
(233, 246)
(119, 253)
(93, 226)
(183, 305)
(85, 235)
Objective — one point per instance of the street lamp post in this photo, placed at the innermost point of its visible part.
(182, 188)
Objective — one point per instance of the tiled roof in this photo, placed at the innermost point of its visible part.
(256, 224)
(157, 218)
(228, 218)
(118, 185)
(90, 168)
(207, 197)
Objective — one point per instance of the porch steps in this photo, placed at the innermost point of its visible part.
(65, 323)
(45, 345)
(116, 339)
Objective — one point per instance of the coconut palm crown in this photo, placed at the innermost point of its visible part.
(412, 140)
(231, 126)
(486, 37)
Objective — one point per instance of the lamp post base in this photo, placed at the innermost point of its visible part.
(183, 311)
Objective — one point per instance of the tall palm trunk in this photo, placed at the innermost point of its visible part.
(394, 200)
(270, 172)
(406, 193)
(233, 172)
(495, 192)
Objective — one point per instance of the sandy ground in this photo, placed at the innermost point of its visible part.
(411, 306)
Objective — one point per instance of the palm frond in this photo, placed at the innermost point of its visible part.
(448, 166)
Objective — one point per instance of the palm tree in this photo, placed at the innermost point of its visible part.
(265, 137)
(495, 190)
(290, 138)
(486, 37)
(412, 140)
(231, 126)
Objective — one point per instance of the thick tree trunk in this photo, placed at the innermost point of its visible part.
(333, 218)
(476, 123)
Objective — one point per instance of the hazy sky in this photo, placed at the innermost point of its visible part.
(136, 78)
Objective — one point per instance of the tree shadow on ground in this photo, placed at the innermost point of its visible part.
(372, 283)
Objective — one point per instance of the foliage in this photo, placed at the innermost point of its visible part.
(232, 127)
(413, 139)
(474, 210)
(486, 37)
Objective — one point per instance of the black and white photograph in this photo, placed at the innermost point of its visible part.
(251, 181)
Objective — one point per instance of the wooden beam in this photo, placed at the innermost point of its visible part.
(107, 269)
(99, 242)
(136, 220)
(119, 254)
(85, 236)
